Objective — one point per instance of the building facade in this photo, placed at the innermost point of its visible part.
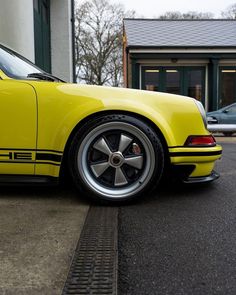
(40, 30)
(196, 58)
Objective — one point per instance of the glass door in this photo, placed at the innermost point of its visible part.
(227, 86)
(195, 83)
(151, 79)
(172, 81)
(188, 81)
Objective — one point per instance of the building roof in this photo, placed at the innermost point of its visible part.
(180, 33)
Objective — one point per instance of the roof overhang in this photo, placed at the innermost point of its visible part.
(137, 49)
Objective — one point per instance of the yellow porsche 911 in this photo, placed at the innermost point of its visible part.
(115, 143)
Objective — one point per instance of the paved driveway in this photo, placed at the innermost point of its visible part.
(39, 230)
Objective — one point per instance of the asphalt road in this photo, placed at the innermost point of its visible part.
(182, 240)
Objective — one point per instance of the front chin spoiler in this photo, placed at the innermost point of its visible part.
(191, 180)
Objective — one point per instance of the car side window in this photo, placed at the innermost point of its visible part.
(232, 110)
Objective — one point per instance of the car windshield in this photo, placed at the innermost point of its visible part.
(232, 109)
(14, 65)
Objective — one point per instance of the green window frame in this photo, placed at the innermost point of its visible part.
(42, 34)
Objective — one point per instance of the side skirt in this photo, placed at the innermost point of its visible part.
(6, 180)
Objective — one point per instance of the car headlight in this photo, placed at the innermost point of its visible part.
(202, 112)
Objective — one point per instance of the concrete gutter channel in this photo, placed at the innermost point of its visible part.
(94, 266)
(52, 242)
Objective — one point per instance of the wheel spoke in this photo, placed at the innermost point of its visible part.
(120, 178)
(136, 162)
(124, 142)
(102, 146)
(99, 169)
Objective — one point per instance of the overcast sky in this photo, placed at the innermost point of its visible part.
(153, 8)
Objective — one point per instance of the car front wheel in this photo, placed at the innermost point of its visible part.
(116, 157)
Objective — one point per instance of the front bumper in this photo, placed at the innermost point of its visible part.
(193, 165)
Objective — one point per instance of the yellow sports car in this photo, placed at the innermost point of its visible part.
(115, 143)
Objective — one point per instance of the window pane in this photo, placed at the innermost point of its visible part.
(173, 81)
(151, 80)
(228, 87)
(14, 65)
(195, 87)
(232, 110)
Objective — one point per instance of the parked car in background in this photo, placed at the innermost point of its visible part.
(114, 143)
(225, 115)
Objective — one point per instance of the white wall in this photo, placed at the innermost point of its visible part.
(17, 32)
(17, 26)
(61, 39)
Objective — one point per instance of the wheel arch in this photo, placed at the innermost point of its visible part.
(110, 112)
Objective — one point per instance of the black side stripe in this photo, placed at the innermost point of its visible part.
(49, 163)
(193, 154)
(33, 150)
(30, 162)
(48, 157)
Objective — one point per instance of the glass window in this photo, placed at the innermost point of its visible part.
(14, 65)
(151, 79)
(228, 87)
(195, 84)
(173, 81)
(232, 110)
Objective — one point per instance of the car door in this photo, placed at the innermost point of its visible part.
(229, 115)
(18, 126)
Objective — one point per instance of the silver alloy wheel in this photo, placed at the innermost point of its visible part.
(143, 163)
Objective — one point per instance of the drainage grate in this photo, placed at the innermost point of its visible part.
(94, 266)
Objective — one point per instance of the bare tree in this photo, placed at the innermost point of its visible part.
(187, 15)
(171, 15)
(230, 12)
(99, 42)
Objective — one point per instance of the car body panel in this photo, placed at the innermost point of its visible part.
(4, 76)
(70, 104)
(18, 127)
(62, 106)
(47, 113)
(202, 158)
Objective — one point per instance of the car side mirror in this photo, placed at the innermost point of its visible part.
(225, 111)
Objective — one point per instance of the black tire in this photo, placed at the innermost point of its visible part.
(116, 157)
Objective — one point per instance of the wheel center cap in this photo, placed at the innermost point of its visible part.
(116, 159)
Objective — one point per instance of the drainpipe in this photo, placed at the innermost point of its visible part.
(73, 38)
